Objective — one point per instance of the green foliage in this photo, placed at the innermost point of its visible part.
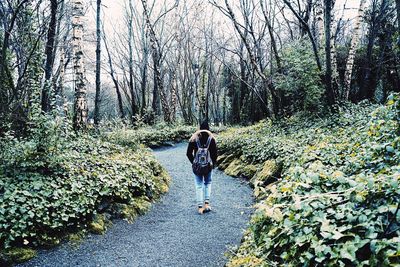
(53, 182)
(337, 201)
(300, 79)
(152, 136)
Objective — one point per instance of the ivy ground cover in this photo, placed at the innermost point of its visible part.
(327, 188)
(54, 184)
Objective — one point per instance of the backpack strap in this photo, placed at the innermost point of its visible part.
(198, 142)
(208, 142)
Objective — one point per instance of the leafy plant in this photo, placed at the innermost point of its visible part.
(337, 201)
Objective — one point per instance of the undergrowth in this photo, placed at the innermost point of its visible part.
(335, 199)
(54, 182)
(152, 136)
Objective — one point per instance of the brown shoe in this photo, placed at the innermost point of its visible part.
(200, 210)
(207, 207)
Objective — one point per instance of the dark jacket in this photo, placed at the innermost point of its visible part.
(203, 136)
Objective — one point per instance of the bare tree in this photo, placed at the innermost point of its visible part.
(98, 64)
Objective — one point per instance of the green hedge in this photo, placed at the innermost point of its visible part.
(336, 202)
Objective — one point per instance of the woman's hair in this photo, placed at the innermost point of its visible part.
(204, 125)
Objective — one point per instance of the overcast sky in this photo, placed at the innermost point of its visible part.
(113, 10)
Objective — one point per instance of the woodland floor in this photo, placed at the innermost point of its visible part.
(171, 233)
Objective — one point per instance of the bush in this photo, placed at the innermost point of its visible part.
(153, 136)
(53, 182)
(337, 201)
(300, 79)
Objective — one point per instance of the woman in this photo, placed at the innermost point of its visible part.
(205, 139)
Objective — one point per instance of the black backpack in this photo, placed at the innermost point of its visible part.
(202, 163)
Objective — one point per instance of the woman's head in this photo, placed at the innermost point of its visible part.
(204, 125)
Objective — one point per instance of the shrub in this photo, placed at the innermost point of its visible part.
(53, 182)
(300, 79)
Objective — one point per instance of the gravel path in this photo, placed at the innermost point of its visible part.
(171, 233)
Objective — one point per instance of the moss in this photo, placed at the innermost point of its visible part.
(225, 163)
(126, 211)
(49, 241)
(246, 261)
(141, 205)
(76, 238)
(221, 159)
(249, 170)
(18, 255)
(234, 168)
(269, 173)
(98, 224)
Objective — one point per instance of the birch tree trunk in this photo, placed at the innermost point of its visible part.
(328, 71)
(335, 74)
(60, 85)
(319, 19)
(97, 99)
(131, 71)
(352, 51)
(80, 106)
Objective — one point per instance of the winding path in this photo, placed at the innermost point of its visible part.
(171, 233)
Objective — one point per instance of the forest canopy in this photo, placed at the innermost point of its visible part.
(232, 62)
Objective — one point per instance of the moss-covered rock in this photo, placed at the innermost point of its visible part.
(226, 161)
(269, 173)
(246, 261)
(49, 241)
(98, 224)
(234, 168)
(221, 158)
(16, 255)
(76, 238)
(141, 205)
(239, 168)
(249, 170)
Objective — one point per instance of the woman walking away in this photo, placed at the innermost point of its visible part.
(202, 153)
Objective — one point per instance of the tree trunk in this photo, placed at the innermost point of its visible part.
(60, 101)
(97, 100)
(398, 22)
(174, 99)
(80, 106)
(319, 17)
(157, 65)
(143, 84)
(328, 72)
(355, 39)
(115, 81)
(49, 51)
(131, 73)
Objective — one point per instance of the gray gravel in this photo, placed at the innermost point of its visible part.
(171, 233)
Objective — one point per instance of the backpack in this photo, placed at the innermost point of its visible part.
(202, 163)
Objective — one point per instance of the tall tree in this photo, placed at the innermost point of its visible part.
(328, 57)
(97, 100)
(355, 39)
(50, 51)
(80, 106)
